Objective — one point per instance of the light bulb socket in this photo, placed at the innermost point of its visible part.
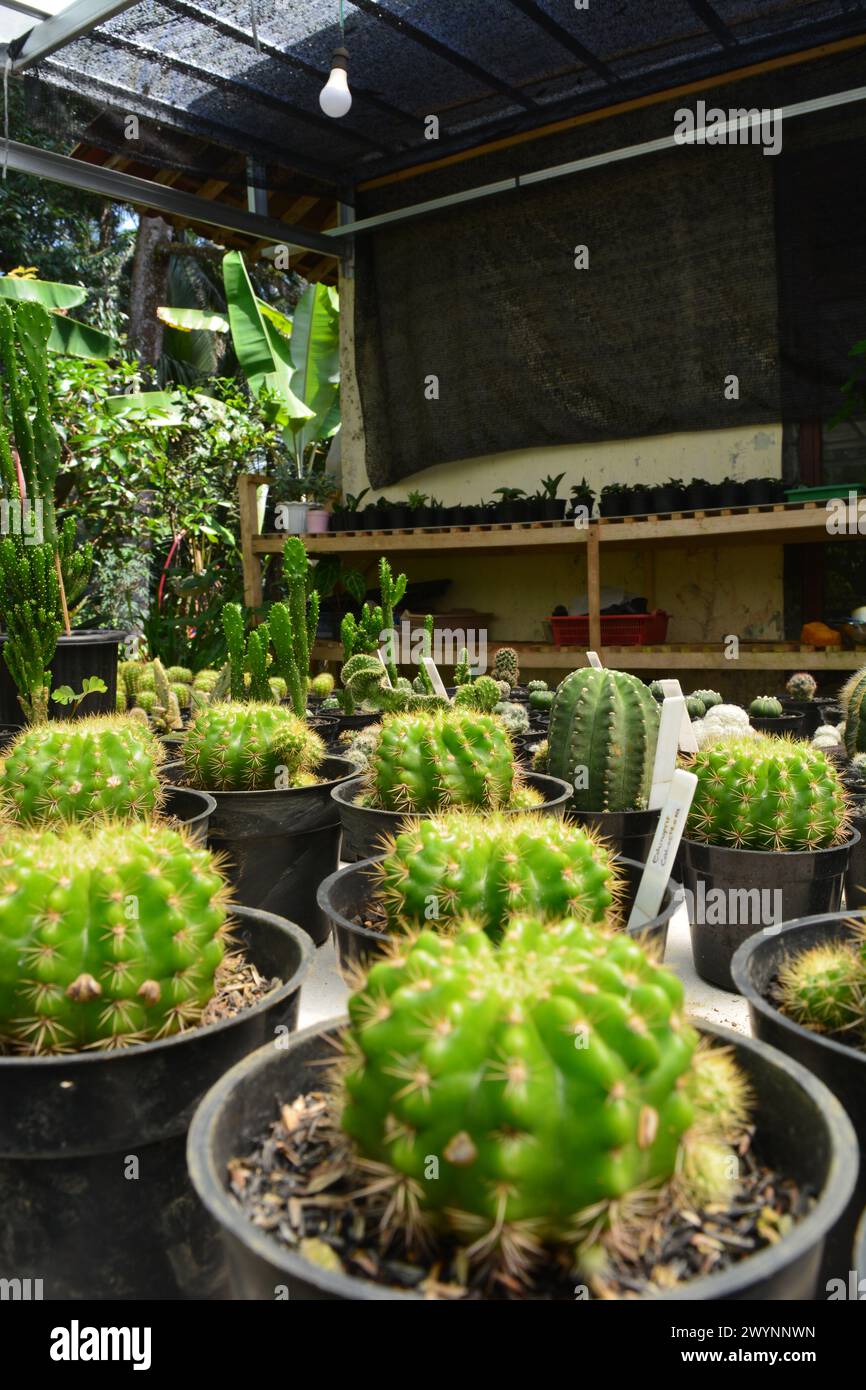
(340, 59)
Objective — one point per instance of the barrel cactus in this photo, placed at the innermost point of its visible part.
(322, 686)
(853, 698)
(824, 988)
(766, 793)
(602, 739)
(250, 747)
(533, 686)
(801, 686)
(766, 707)
(655, 689)
(708, 698)
(541, 700)
(429, 762)
(77, 769)
(506, 667)
(109, 935)
(179, 675)
(509, 1097)
(493, 866)
(695, 708)
(481, 694)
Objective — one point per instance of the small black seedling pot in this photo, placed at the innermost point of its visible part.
(755, 968)
(809, 709)
(365, 827)
(93, 1184)
(346, 894)
(789, 1103)
(807, 881)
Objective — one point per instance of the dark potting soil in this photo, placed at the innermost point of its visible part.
(301, 1186)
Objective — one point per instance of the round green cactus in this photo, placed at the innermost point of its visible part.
(824, 988)
(655, 689)
(147, 678)
(77, 769)
(766, 793)
(205, 679)
(250, 747)
(541, 699)
(146, 700)
(695, 708)
(322, 685)
(708, 698)
(481, 694)
(428, 762)
(513, 716)
(801, 686)
(536, 685)
(278, 688)
(507, 1095)
(766, 707)
(182, 694)
(493, 866)
(179, 675)
(602, 739)
(109, 935)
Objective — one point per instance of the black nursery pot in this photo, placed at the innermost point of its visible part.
(70, 1125)
(630, 833)
(759, 491)
(8, 732)
(831, 712)
(192, 808)
(240, 1109)
(85, 653)
(698, 495)
(809, 709)
(782, 724)
(639, 502)
(765, 887)
(279, 845)
(755, 968)
(730, 495)
(667, 499)
(855, 874)
(365, 827)
(346, 893)
(554, 508)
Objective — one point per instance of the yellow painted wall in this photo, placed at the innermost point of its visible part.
(709, 593)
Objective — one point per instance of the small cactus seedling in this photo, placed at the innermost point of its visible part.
(541, 700)
(602, 739)
(481, 694)
(824, 988)
(322, 685)
(427, 762)
(766, 793)
(251, 747)
(492, 866)
(506, 667)
(112, 935)
(513, 716)
(801, 686)
(551, 1078)
(708, 698)
(80, 769)
(533, 686)
(766, 707)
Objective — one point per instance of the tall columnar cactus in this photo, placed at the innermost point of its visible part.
(548, 1078)
(166, 710)
(233, 627)
(29, 604)
(392, 591)
(251, 747)
(492, 866)
(423, 683)
(766, 707)
(801, 686)
(108, 935)
(506, 667)
(853, 698)
(481, 694)
(602, 739)
(427, 762)
(463, 671)
(294, 624)
(766, 793)
(80, 769)
(359, 638)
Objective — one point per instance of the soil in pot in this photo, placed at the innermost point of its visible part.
(349, 907)
(70, 1124)
(365, 827)
(85, 653)
(831, 1058)
(327, 1249)
(732, 893)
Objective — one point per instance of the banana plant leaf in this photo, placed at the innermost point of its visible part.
(49, 293)
(159, 407)
(315, 357)
(69, 338)
(262, 349)
(190, 320)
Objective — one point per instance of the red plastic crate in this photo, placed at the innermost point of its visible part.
(617, 630)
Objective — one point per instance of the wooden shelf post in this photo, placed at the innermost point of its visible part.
(248, 484)
(593, 586)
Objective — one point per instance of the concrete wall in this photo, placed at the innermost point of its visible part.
(709, 593)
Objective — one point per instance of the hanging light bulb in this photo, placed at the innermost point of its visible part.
(335, 98)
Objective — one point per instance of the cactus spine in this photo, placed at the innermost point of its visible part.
(550, 1077)
(602, 739)
(251, 747)
(766, 793)
(493, 866)
(113, 936)
(81, 769)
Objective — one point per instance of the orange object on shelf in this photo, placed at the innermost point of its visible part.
(819, 635)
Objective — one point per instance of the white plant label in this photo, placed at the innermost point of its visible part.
(666, 842)
(688, 742)
(593, 659)
(433, 672)
(667, 748)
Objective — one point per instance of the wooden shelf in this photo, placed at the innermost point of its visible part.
(697, 657)
(534, 536)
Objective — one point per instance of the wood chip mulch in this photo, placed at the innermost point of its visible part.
(238, 986)
(301, 1187)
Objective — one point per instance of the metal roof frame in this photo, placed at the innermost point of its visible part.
(55, 32)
